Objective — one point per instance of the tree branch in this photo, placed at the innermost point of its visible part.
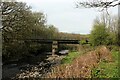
(100, 4)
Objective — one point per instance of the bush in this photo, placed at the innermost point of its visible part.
(98, 35)
(82, 42)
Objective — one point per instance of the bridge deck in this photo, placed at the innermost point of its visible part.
(49, 41)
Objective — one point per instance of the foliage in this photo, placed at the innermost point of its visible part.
(107, 69)
(104, 5)
(98, 35)
(20, 22)
(118, 29)
(81, 65)
(70, 57)
(82, 42)
(111, 39)
(108, 34)
(71, 36)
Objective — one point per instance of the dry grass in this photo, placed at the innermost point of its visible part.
(81, 66)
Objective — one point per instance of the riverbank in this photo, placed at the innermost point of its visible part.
(87, 63)
(38, 70)
(83, 65)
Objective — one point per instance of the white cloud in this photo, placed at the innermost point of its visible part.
(64, 15)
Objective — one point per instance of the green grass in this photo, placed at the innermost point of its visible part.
(70, 57)
(107, 69)
(104, 70)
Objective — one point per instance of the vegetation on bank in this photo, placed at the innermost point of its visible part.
(81, 49)
(19, 21)
(107, 69)
(70, 57)
(103, 33)
(82, 65)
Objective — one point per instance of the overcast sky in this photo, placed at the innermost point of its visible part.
(63, 14)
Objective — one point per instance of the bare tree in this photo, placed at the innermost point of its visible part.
(104, 4)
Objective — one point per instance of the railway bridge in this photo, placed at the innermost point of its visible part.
(54, 42)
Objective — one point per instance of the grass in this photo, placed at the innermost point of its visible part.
(70, 57)
(104, 65)
(107, 69)
(74, 54)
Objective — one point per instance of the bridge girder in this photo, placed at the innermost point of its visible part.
(48, 41)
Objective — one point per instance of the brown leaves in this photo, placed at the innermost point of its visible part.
(81, 66)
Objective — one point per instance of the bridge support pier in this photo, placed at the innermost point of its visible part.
(54, 47)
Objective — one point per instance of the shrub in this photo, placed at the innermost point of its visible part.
(98, 35)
